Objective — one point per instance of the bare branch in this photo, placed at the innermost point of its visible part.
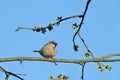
(110, 55)
(86, 46)
(81, 22)
(7, 73)
(76, 61)
(43, 29)
(83, 66)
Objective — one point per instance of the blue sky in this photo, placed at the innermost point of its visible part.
(100, 31)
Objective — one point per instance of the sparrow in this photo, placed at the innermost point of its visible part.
(49, 50)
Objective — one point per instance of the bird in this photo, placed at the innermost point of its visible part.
(49, 50)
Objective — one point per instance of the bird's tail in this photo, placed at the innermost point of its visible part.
(36, 51)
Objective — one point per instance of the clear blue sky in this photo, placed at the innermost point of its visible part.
(101, 31)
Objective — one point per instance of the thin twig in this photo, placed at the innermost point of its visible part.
(109, 56)
(7, 73)
(3, 70)
(63, 19)
(86, 46)
(81, 22)
(10, 73)
(78, 31)
(83, 66)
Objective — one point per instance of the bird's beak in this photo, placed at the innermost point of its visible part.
(56, 44)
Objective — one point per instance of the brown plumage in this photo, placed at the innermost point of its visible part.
(48, 50)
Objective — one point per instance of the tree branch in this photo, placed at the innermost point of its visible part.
(110, 55)
(7, 73)
(81, 22)
(83, 67)
(76, 61)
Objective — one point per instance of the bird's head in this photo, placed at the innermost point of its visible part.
(53, 42)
